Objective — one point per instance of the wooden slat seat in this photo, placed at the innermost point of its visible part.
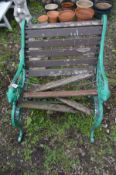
(62, 50)
(65, 49)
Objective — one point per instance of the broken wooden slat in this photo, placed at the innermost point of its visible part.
(62, 82)
(66, 62)
(80, 31)
(76, 105)
(63, 42)
(53, 107)
(58, 72)
(59, 93)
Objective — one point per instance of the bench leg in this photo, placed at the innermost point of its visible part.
(7, 24)
(16, 121)
(98, 116)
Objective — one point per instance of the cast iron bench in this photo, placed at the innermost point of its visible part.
(65, 53)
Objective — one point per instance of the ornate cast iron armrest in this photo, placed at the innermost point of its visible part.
(102, 82)
(16, 86)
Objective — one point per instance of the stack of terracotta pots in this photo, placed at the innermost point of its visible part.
(68, 11)
(64, 14)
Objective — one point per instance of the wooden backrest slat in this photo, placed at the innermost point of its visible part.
(80, 31)
(62, 52)
(45, 43)
(65, 24)
(58, 72)
(60, 62)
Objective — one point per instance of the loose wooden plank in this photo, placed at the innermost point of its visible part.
(53, 94)
(63, 42)
(80, 31)
(58, 72)
(61, 82)
(65, 24)
(53, 107)
(61, 52)
(76, 106)
(66, 62)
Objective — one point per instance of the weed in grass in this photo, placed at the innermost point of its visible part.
(60, 158)
(27, 153)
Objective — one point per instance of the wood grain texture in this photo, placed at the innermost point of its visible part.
(76, 105)
(58, 72)
(66, 62)
(53, 94)
(61, 52)
(75, 32)
(65, 24)
(52, 107)
(45, 43)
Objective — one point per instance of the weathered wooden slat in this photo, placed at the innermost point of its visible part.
(61, 82)
(76, 105)
(66, 62)
(80, 31)
(63, 42)
(65, 24)
(62, 52)
(59, 93)
(53, 107)
(57, 72)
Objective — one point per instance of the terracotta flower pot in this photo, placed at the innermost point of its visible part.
(84, 14)
(53, 16)
(103, 5)
(66, 15)
(67, 5)
(51, 7)
(43, 19)
(84, 4)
